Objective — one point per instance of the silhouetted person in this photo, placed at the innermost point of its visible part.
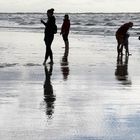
(64, 64)
(122, 37)
(65, 30)
(50, 30)
(122, 69)
(49, 96)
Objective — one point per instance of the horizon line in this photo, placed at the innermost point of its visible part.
(71, 12)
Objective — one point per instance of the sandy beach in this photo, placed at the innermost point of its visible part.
(92, 95)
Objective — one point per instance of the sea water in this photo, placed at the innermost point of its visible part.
(81, 23)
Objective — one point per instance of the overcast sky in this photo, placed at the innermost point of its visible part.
(70, 5)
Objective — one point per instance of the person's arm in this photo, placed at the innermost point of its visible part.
(43, 22)
(69, 26)
(61, 31)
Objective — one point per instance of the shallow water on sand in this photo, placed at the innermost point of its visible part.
(90, 94)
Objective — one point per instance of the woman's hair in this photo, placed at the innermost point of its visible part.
(50, 10)
(66, 16)
(130, 24)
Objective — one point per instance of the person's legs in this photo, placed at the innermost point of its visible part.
(118, 48)
(46, 53)
(119, 39)
(48, 42)
(118, 44)
(65, 38)
(50, 50)
(127, 49)
(121, 49)
(126, 46)
(51, 56)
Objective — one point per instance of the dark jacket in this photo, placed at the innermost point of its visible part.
(49, 26)
(123, 29)
(65, 27)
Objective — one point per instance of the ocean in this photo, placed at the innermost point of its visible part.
(81, 23)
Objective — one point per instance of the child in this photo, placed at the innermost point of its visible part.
(65, 30)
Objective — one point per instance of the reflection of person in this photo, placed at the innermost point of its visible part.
(64, 64)
(49, 96)
(65, 30)
(122, 69)
(122, 37)
(49, 34)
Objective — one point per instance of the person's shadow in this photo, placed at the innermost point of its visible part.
(49, 96)
(121, 71)
(65, 64)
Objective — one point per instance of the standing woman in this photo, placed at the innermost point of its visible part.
(65, 30)
(49, 35)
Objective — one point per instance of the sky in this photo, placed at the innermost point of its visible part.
(73, 6)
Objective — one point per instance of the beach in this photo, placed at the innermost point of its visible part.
(89, 99)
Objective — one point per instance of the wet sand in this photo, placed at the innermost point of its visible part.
(88, 95)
